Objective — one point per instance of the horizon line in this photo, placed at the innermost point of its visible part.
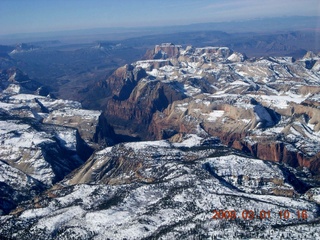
(149, 27)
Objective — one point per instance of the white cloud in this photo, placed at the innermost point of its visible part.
(243, 9)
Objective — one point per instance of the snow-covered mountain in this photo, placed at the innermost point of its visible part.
(23, 47)
(233, 152)
(163, 190)
(267, 106)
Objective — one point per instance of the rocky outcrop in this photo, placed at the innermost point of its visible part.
(163, 51)
(92, 125)
(135, 101)
(310, 61)
(136, 112)
(123, 81)
(20, 82)
(15, 187)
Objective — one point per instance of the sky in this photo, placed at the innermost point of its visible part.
(28, 16)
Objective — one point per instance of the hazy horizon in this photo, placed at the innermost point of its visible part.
(36, 16)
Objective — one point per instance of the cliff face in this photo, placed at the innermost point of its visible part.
(92, 126)
(135, 100)
(243, 129)
(21, 81)
(124, 80)
(164, 51)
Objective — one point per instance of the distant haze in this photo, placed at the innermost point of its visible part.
(17, 16)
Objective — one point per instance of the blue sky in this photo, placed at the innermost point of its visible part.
(25, 16)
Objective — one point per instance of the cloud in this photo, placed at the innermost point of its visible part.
(235, 9)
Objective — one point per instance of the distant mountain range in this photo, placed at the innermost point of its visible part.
(263, 25)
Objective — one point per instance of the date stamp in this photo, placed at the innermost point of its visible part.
(262, 214)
